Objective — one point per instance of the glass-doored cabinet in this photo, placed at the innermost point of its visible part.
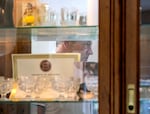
(69, 57)
(49, 57)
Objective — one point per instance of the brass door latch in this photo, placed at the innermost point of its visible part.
(131, 98)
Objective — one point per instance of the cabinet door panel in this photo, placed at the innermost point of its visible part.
(130, 56)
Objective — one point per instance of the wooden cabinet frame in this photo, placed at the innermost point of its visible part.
(119, 54)
(109, 57)
(130, 51)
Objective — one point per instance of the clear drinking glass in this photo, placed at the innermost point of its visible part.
(27, 84)
(73, 88)
(92, 85)
(6, 86)
(83, 18)
(53, 17)
(41, 83)
(61, 85)
(65, 16)
(73, 16)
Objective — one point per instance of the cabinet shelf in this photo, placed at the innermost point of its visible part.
(54, 33)
(29, 101)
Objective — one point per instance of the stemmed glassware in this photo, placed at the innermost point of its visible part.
(92, 85)
(27, 84)
(41, 83)
(73, 88)
(6, 85)
(61, 85)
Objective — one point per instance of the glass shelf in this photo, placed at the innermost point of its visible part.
(53, 33)
(89, 101)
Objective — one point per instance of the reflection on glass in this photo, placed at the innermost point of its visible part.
(23, 43)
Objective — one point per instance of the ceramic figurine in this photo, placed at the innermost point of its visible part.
(28, 17)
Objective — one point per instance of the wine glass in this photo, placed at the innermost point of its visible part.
(73, 88)
(92, 85)
(61, 84)
(41, 83)
(6, 86)
(27, 84)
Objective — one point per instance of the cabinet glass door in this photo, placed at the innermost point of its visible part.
(145, 58)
